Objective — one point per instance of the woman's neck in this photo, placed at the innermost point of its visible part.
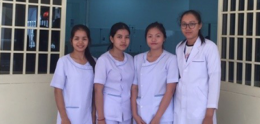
(191, 41)
(117, 54)
(155, 53)
(78, 55)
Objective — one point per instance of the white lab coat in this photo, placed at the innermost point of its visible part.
(199, 84)
(76, 81)
(152, 79)
(117, 78)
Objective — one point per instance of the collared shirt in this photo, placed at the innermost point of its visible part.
(117, 78)
(76, 81)
(152, 79)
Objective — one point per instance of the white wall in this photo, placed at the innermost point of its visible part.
(27, 102)
(239, 104)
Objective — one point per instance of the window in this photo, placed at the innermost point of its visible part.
(31, 32)
(239, 44)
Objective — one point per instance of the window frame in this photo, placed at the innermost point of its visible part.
(33, 78)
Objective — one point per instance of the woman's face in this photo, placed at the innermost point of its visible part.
(190, 27)
(155, 38)
(79, 41)
(121, 39)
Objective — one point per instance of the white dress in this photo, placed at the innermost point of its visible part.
(117, 78)
(152, 79)
(76, 81)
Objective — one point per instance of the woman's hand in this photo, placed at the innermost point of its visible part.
(155, 120)
(139, 120)
(207, 120)
(101, 121)
(209, 116)
(65, 121)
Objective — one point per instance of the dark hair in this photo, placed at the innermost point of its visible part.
(114, 29)
(198, 17)
(158, 26)
(89, 57)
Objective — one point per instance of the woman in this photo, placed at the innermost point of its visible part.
(113, 79)
(155, 80)
(73, 80)
(197, 92)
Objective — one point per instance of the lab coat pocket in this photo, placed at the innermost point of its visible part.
(199, 68)
(202, 93)
(201, 101)
(168, 113)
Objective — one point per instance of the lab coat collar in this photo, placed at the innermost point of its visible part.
(147, 63)
(86, 66)
(194, 51)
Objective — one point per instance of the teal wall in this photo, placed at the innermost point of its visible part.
(102, 14)
(137, 14)
(209, 13)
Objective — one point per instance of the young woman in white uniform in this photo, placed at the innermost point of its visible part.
(114, 76)
(156, 75)
(73, 80)
(197, 93)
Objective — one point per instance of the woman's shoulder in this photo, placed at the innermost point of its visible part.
(210, 44)
(140, 54)
(103, 56)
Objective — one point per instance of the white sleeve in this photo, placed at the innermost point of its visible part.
(172, 71)
(100, 71)
(59, 77)
(214, 73)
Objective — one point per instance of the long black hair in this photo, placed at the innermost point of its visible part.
(114, 29)
(89, 57)
(198, 17)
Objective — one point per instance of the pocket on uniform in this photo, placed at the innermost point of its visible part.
(197, 60)
(73, 113)
(111, 106)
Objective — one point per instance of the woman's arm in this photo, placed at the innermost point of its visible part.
(170, 89)
(134, 92)
(99, 102)
(61, 106)
(93, 107)
(208, 119)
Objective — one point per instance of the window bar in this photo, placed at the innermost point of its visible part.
(235, 43)
(1, 6)
(12, 40)
(228, 40)
(244, 45)
(37, 38)
(25, 38)
(62, 28)
(253, 44)
(49, 38)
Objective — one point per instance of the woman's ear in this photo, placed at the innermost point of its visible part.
(111, 39)
(200, 26)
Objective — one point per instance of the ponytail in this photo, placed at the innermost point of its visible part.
(202, 38)
(90, 59)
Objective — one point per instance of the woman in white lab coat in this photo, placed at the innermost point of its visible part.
(156, 75)
(73, 80)
(114, 74)
(197, 93)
